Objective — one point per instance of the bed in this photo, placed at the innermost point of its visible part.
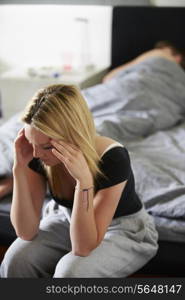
(135, 30)
(149, 121)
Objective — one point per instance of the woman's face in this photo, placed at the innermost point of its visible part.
(41, 145)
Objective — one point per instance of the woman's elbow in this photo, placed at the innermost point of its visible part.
(26, 237)
(79, 252)
(83, 251)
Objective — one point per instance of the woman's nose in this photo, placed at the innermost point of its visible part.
(36, 152)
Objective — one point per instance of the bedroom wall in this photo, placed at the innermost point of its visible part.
(168, 2)
(99, 2)
(44, 35)
(36, 36)
(82, 2)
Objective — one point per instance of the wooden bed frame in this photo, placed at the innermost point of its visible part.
(134, 31)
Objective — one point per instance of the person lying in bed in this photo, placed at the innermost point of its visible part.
(162, 48)
(96, 225)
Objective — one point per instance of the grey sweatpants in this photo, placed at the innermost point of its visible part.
(129, 243)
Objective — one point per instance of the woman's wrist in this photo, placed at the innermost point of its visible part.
(86, 188)
(84, 183)
(18, 168)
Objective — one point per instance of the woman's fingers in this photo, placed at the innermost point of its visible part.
(64, 148)
(21, 131)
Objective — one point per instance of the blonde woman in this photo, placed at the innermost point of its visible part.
(95, 226)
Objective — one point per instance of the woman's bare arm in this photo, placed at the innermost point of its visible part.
(29, 189)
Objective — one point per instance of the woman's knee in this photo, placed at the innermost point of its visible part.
(71, 266)
(16, 258)
(23, 257)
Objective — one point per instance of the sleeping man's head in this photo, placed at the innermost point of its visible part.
(177, 53)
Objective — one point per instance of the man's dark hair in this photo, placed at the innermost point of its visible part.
(175, 50)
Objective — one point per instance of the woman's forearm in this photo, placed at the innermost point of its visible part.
(23, 215)
(83, 231)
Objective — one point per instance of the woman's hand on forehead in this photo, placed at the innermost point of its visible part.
(72, 157)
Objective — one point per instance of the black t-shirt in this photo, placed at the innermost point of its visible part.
(115, 164)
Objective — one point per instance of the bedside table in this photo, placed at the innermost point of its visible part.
(18, 87)
(84, 79)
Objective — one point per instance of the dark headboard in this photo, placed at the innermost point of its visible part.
(137, 29)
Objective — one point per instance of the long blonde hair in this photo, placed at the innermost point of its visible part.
(60, 112)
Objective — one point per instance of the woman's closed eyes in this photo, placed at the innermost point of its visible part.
(48, 147)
